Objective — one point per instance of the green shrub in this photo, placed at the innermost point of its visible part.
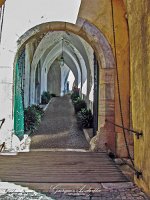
(32, 117)
(85, 118)
(53, 95)
(45, 97)
(74, 96)
(38, 109)
(79, 104)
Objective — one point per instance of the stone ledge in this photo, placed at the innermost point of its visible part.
(45, 106)
(117, 185)
(9, 153)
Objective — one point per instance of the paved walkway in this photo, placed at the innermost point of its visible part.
(58, 128)
(116, 191)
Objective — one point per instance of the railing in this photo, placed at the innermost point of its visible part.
(2, 146)
(2, 122)
(138, 134)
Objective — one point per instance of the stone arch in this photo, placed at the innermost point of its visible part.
(50, 59)
(105, 58)
(55, 79)
(58, 51)
(50, 40)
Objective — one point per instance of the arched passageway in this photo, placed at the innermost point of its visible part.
(45, 41)
(112, 18)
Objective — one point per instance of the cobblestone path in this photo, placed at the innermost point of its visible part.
(58, 128)
(117, 191)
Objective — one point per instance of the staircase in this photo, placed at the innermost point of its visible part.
(59, 167)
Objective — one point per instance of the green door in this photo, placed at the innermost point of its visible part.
(19, 96)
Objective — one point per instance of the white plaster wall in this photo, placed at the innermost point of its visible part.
(73, 44)
(90, 55)
(64, 71)
(6, 86)
(20, 16)
(70, 62)
(82, 67)
(71, 80)
(27, 74)
(53, 54)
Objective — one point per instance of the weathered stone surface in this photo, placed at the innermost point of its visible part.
(12, 144)
(104, 191)
(99, 12)
(94, 143)
(119, 161)
(88, 134)
(108, 191)
(17, 192)
(117, 185)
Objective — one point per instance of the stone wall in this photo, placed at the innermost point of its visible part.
(139, 30)
(99, 13)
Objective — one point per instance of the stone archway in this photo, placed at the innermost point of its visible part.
(49, 59)
(47, 64)
(105, 58)
(48, 46)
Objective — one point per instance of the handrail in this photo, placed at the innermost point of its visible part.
(2, 146)
(2, 122)
(138, 134)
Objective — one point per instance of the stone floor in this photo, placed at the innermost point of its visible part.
(11, 191)
(124, 191)
(58, 128)
(107, 191)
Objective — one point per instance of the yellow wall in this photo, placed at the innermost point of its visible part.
(99, 13)
(139, 29)
(122, 47)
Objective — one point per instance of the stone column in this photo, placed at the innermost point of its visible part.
(105, 137)
(54, 79)
(27, 74)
